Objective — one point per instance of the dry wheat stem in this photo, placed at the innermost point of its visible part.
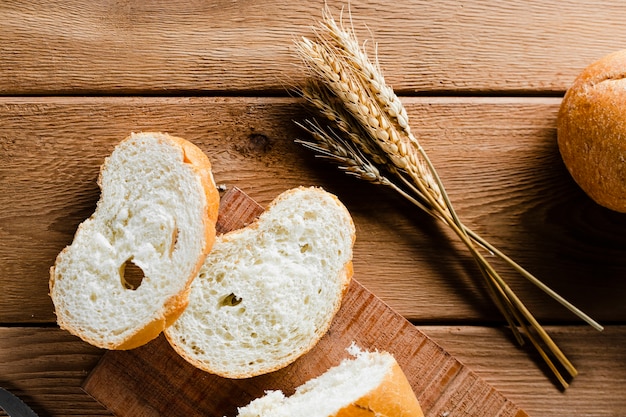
(484, 243)
(495, 251)
(488, 272)
(330, 145)
(351, 93)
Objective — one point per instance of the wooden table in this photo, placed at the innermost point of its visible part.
(482, 82)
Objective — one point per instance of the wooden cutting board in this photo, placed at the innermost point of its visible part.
(154, 381)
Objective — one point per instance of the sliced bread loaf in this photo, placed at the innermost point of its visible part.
(370, 384)
(126, 275)
(268, 292)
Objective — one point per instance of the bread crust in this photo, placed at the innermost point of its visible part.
(390, 394)
(394, 397)
(591, 131)
(175, 305)
(344, 277)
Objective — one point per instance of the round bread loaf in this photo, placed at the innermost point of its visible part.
(126, 275)
(591, 131)
(268, 292)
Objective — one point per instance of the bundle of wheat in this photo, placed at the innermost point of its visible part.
(368, 136)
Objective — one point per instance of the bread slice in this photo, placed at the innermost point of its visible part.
(370, 384)
(155, 220)
(268, 292)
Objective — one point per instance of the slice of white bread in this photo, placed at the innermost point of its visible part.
(371, 384)
(155, 219)
(268, 292)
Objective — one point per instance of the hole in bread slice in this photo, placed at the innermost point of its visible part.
(131, 275)
(230, 300)
(268, 292)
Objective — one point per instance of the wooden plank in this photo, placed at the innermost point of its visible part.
(153, 379)
(497, 157)
(600, 358)
(46, 367)
(80, 46)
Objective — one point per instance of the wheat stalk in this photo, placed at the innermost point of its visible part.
(369, 137)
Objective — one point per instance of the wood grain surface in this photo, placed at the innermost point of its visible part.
(482, 82)
(46, 368)
(497, 157)
(156, 47)
(153, 380)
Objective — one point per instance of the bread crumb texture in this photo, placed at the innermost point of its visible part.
(131, 261)
(268, 292)
(370, 384)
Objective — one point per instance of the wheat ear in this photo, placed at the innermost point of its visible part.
(351, 93)
(340, 79)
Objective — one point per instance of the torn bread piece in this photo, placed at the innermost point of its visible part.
(369, 384)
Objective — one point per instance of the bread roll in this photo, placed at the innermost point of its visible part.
(371, 384)
(156, 216)
(268, 292)
(591, 130)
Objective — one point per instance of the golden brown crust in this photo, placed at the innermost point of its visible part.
(346, 278)
(175, 306)
(394, 397)
(202, 165)
(591, 131)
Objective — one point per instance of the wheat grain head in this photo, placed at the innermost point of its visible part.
(330, 67)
